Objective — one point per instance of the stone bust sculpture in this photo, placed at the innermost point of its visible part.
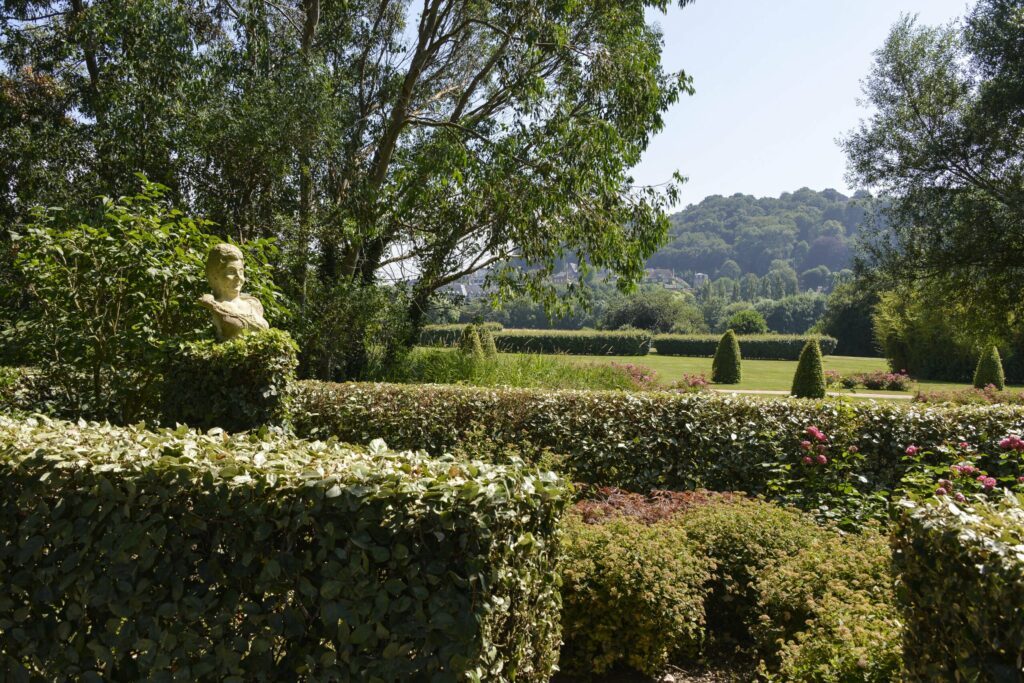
(233, 313)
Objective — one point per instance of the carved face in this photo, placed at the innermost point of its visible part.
(227, 280)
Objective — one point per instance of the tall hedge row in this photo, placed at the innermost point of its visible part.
(580, 342)
(640, 441)
(753, 347)
(172, 555)
(962, 590)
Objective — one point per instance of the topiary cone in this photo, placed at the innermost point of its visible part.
(726, 367)
(809, 380)
(487, 341)
(990, 370)
(469, 342)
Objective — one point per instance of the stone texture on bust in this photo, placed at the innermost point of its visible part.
(232, 312)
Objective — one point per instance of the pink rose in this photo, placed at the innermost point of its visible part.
(989, 483)
(960, 497)
(806, 445)
(912, 450)
(853, 449)
(941, 491)
(964, 445)
(821, 459)
(808, 460)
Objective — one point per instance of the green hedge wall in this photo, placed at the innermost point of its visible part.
(173, 555)
(239, 384)
(579, 342)
(641, 441)
(753, 347)
(961, 590)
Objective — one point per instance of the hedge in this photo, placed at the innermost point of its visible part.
(961, 589)
(753, 347)
(580, 342)
(174, 555)
(640, 441)
(236, 385)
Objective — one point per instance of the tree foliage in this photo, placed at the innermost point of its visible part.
(726, 365)
(945, 145)
(809, 379)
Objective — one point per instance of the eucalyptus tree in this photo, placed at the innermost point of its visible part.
(380, 140)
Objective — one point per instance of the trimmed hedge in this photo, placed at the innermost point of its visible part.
(989, 371)
(809, 378)
(727, 367)
(173, 555)
(640, 441)
(577, 342)
(962, 590)
(237, 385)
(753, 347)
(449, 335)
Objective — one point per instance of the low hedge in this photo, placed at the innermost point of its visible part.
(578, 342)
(174, 555)
(753, 347)
(640, 441)
(239, 384)
(962, 589)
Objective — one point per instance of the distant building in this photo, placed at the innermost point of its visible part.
(699, 280)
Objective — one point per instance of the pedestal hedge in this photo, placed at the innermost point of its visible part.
(173, 555)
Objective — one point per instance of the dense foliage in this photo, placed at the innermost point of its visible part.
(281, 560)
(655, 309)
(469, 343)
(240, 384)
(640, 441)
(809, 378)
(754, 347)
(747, 322)
(847, 317)
(580, 342)
(989, 371)
(110, 290)
(962, 589)
(727, 365)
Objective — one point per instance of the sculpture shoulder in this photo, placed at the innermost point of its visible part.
(252, 301)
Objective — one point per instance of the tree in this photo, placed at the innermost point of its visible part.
(989, 371)
(748, 322)
(945, 145)
(656, 309)
(809, 379)
(726, 367)
(381, 140)
(847, 317)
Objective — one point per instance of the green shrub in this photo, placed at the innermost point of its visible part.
(726, 367)
(809, 379)
(641, 441)
(487, 341)
(989, 371)
(469, 343)
(157, 555)
(110, 289)
(755, 347)
(747, 322)
(578, 342)
(631, 593)
(239, 384)
(961, 589)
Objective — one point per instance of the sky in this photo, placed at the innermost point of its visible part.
(776, 84)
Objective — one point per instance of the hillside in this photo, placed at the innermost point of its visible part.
(806, 228)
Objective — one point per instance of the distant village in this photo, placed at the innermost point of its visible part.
(472, 286)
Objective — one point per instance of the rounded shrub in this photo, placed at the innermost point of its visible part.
(748, 322)
(490, 349)
(469, 343)
(726, 367)
(809, 380)
(990, 370)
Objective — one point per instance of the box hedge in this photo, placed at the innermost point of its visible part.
(753, 347)
(172, 555)
(961, 589)
(239, 384)
(641, 441)
(578, 342)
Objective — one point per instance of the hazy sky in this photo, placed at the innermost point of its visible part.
(777, 83)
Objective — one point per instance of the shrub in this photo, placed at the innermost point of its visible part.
(579, 342)
(726, 367)
(988, 395)
(642, 441)
(469, 342)
(109, 290)
(449, 335)
(144, 555)
(809, 379)
(642, 377)
(240, 384)
(961, 589)
(989, 371)
(875, 381)
(487, 341)
(755, 347)
(748, 322)
(631, 593)
(691, 383)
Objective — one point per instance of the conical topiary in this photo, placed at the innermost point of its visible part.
(487, 341)
(990, 370)
(726, 368)
(469, 342)
(809, 380)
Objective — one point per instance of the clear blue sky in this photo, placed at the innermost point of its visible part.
(777, 82)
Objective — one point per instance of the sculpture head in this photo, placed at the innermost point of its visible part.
(225, 270)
